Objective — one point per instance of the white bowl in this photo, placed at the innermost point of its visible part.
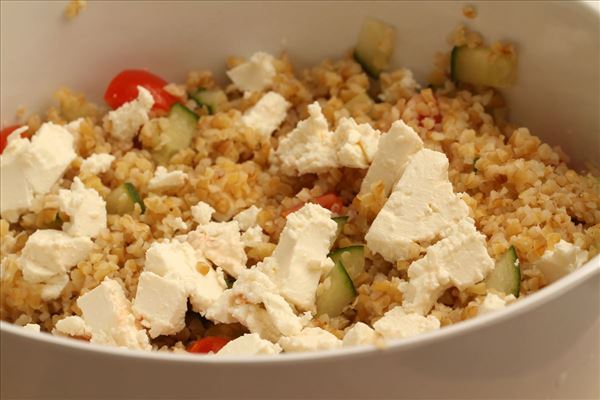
(546, 345)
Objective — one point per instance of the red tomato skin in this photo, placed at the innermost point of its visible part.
(123, 88)
(5, 133)
(207, 344)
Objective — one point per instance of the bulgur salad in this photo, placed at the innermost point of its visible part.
(286, 211)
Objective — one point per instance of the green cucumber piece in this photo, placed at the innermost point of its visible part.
(122, 200)
(340, 221)
(482, 66)
(209, 98)
(178, 135)
(375, 46)
(506, 276)
(339, 294)
(353, 258)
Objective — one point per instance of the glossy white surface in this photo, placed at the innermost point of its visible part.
(543, 346)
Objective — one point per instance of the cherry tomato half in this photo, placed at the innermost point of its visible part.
(207, 344)
(123, 88)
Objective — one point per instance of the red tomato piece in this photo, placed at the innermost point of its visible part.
(123, 88)
(207, 344)
(5, 133)
(330, 201)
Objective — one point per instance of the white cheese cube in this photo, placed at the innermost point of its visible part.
(254, 237)
(97, 164)
(422, 206)
(86, 210)
(563, 259)
(394, 150)
(492, 302)
(310, 339)
(32, 327)
(247, 218)
(267, 114)
(202, 213)
(16, 194)
(254, 75)
(164, 180)
(360, 334)
(249, 344)
(355, 144)
(459, 260)
(125, 122)
(397, 324)
(174, 223)
(107, 312)
(72, 326)
(300, 258)
(161, 304)
(53, 287)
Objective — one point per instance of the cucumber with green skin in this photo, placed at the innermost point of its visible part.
(483, 66)
(506, 275)
(353, 258)
(122, 200)
(338, 295)
(209, 98)
(375, 46)
(178, 135)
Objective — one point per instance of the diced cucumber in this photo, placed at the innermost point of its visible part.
(340, 221)
(506, 276)
(178, 135)
(339, 294)
(209, 98)
(375, 46)
(122, 200)
(353, 258)
(483, 66)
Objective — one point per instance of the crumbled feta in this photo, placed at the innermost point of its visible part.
(310, 339)
(493, 302)
(267, 114)
(248, 218)
(48, 255)
(221, 243)
(107, 312)
(85, 208)
(300, 258)
(175, 223)
(254, 302)
(309, 148)
(72, 326)
(32, 327)
(563, 259)
(249, 344)
(422, 206)
(359, 334)
(53, 287)
(394, 151)
(254, 75)
(32, 167)
(397, 324)
(125, 122)
(355, 144)
(254, 236)
(459, 260)
(163, 179)
(96, 164)
(160, 303)
(202, 213)
(178, 261)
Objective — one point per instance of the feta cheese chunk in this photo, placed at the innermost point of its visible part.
(397, 324)
(492, 302)
(459, 260)
(175, 223)
(394, 151)
(300, 258)
(309, 148)
(360, 334)
(160, 303)
(164, 180)
(267, 114)
(108, 314)
(97, 164)
(563, 259)
(247, 218)
(221, 243)
(86, 210)
(33, 167)
(310, 339)
(422, 206)
(125, 122)
(72, 326)
(32, 327)
(249, 344)
(355, 144)
(53, 287)
(253, 237)
(178, 261)
(47, 257)
(254, 75)
(202, 213)
(254, 302)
